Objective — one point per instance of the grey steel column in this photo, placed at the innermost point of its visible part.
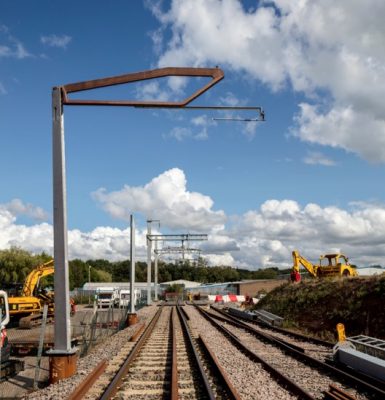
(156, 271)
(132, 264)
(149, 248)
(62, 304)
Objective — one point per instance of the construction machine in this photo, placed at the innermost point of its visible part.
(29, 304)
(8, 367)
(330, 265)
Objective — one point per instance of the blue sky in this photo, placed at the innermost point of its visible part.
(309, 178)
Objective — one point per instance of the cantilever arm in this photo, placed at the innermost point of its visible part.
(215, 73)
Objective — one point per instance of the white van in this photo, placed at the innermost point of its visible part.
(105, 296)
(122, 297)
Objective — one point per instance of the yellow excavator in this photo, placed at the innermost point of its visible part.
(330, 265)
(29, 304)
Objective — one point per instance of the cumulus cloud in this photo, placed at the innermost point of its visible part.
(17, 207)
(53, 40)
(37, 237)
(101, 242)
(166, 198)
(315, 47)
(257, 239)
(268, 235)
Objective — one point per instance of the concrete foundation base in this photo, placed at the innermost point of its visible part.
(132, 319)
(62, 366)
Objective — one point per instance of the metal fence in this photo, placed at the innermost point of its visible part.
(89, 326)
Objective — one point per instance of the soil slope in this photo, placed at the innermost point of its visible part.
(316, 306)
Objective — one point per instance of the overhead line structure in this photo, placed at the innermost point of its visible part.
(176, 250)
(63, 356)
(183, 237)
(179, 237)
(168, 250)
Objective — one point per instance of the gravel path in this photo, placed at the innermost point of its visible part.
(108, 349)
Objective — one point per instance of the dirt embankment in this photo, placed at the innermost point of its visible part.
(316, 306)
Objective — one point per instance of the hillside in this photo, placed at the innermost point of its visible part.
(316, 306)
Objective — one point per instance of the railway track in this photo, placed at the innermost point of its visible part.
(316, 348)
(190, 353)
(168, 363)
(290, 363)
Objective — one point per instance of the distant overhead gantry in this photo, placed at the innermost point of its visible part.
(183, 237)
(177, 250)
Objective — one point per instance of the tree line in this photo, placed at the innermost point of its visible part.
(16, 264)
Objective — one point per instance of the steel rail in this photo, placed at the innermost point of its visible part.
(113, 386)
(220, 372)
(85, 385)
(303, 357)
(335, 393)
(287, 383)
(261, 335)
(207, 387)
(278, 329)
(174, 365)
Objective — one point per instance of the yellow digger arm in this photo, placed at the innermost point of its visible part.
(35, 275)
(299, 260)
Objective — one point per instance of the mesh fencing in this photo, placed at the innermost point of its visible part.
(89, 326)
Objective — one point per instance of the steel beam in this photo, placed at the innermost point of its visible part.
(177, 237)
(176, 250)
(362, 362)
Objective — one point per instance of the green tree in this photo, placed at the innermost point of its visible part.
(16, 264)
(102, 276)
(78, 273)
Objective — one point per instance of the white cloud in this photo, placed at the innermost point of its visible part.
(102, 242)
(151, 90)
(16, 207)
(54, 40)
(10, 46)
(316, 47)
(35, 238)
(267, 236)
(166, 198)
(317, 158)
(220, 259)
(258, 238)
(181, 133)
(344, 128)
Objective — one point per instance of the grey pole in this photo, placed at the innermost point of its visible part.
(62, 304)
(132, 264)
(89, 281)
(149, 248)
(156, 271)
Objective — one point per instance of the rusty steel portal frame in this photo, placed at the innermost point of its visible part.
(62, 347)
